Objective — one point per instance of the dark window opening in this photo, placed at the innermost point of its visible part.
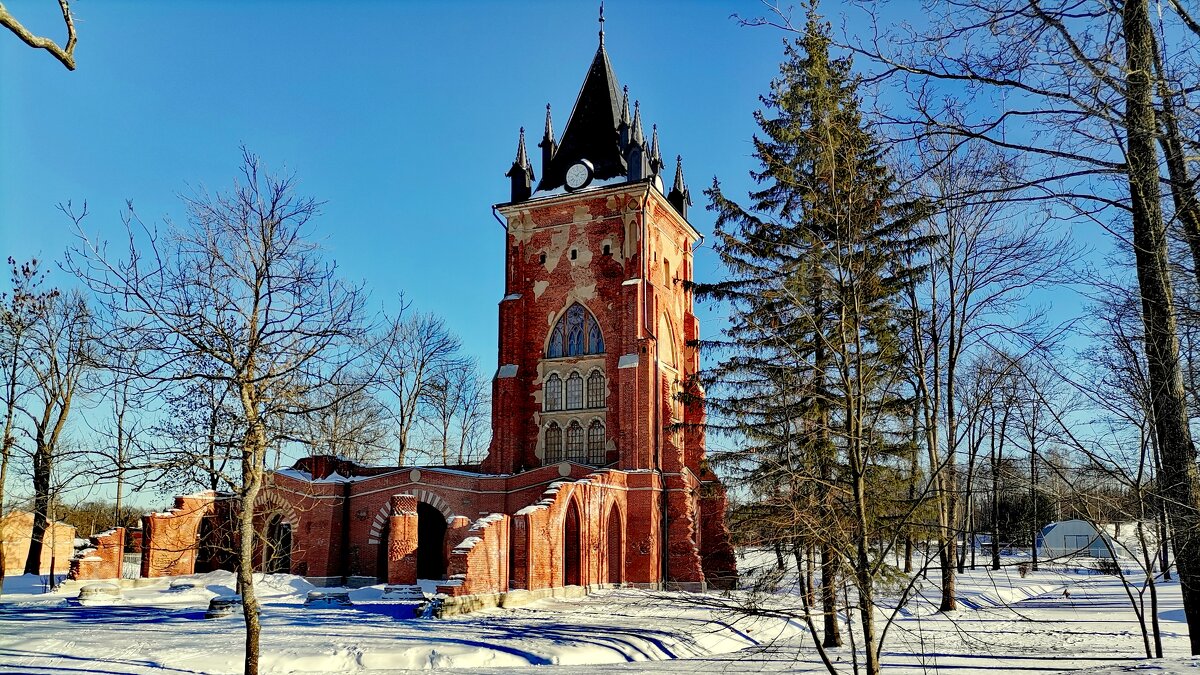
(572, 550)
(431, 542)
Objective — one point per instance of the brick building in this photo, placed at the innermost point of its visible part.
(595, 473)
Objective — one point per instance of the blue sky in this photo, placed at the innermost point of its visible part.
(402, 117)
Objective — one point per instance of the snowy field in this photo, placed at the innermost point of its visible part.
(1007, 625)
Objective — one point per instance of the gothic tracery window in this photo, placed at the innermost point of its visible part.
(574, 391)
(554, 443)
(575, 442)
(595, 390)
(595, 443)
(552, 394)
(575, 334)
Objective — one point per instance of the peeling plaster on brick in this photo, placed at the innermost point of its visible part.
(540, 287)
(521, 226)
(583, 293)
(582, 214)
(560, 240)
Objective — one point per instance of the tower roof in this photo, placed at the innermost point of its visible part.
(591, 131)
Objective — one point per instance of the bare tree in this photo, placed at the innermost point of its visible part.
(474, 405)
(22, 305)
(59, 351)
(240, 298)
(984, 261)
(354, 426)
(418, 347)
(65, 53)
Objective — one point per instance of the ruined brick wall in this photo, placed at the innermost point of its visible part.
(540, 556)
(481, 559)
(170, 539)
(58, 543)
(103, 560)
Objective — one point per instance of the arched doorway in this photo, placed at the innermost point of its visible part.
(571, 547)
(208, 549)
(381, 554)
(431, 542)
(278, 554)
(616, 553)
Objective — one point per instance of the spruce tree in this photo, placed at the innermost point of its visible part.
(809, 373)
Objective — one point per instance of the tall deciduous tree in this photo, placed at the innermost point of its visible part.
(242, 299)
(22, 305)
(60, 350)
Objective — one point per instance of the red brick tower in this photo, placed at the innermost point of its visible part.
(596, 319)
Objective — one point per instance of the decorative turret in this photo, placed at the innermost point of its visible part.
(548, 146)
(656, 163)
(521, 172)
(679, 196)
(625, 126)
(636, 156)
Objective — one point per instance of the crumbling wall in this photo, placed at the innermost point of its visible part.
(103, 559)
(480, 560)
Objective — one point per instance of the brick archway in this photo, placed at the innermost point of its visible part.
(381, 519)
(270, 502)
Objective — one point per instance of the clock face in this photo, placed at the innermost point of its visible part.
(578, 175)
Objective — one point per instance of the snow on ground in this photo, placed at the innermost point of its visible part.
(1007, 624)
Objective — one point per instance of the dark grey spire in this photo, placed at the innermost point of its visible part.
(548, 146)
(601, 23)
(679, 196)
(591, 131)
(638, 136)
(521, 172)
(656, 163)
(636, 154)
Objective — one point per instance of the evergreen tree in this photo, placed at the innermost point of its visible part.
(816, 265)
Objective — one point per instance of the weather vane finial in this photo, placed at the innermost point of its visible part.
(601, 23)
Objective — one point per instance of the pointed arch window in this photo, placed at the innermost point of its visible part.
(595, 390)
(554, 443)
(595, 443)
(575, 334)
(552, 394)
(575, 442)
(574, 391)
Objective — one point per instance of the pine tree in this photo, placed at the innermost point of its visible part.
(809, 378)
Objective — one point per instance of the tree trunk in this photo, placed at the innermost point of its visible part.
(43, 463)
(253, 454)
(1179, 473)
(829, 575)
